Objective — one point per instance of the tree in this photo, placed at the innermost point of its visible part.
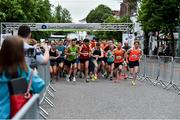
(157, 16)
(25, 11)
(66, 16)
(58, 14)
(99, 14)
(62, 15)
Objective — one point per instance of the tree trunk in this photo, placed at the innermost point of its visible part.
(146, 43)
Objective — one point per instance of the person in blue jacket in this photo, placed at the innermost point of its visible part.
(13, 65)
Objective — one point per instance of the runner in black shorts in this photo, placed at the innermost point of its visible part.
(110, 61)
(118, 61)
(53, 53)
(133, 57)
(72, 53)
(84, 57)
(97, 57)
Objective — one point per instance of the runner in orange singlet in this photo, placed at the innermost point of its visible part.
(133, 57)
(119, 54)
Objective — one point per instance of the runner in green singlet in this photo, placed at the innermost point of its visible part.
(72, 53)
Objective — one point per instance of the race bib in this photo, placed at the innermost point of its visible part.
(134, 56)
(118, 57)
(73, 53)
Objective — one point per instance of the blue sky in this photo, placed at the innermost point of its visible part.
(80, 8)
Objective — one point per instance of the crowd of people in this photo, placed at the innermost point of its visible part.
(73, 58)
(69, 59)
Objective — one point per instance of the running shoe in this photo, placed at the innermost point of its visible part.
(92, 78)
(130, 77)
(111, 78)
(74, 79)
(95, 77)
(67, 78)
(125, 76)
(87, 80)
(133, 83)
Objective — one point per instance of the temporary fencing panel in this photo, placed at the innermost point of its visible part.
(165, 67)
(176, 71)
(152, 67)
(142, 66)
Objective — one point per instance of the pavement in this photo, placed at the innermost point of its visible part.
(104, 99)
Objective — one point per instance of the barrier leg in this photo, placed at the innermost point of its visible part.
(49, 101)
(148, 79)
(172, 85)
(50, 93)
(42, 112)
(50, 86)
(159, 82)
(43, 116)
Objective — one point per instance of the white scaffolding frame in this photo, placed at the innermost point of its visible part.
(11, 27)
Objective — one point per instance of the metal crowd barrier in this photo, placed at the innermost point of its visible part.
(165, 70)
(176, 74)
(161, 70)
(34, 109)
(142, 67)
(151, 68)
(47, 94)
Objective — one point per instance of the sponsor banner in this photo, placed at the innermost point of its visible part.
(70, 26)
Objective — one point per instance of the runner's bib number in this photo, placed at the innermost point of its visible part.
(134, 56)
(118, 57)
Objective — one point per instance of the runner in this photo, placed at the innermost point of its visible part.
(78, 60)
(84, 57)
(110, 61)
(118, 61)
(133, 56)
(72, 53)
(126, 47)
(60, 61)
(53, 53)
(107, 47)
(104, 61)
(97, 57)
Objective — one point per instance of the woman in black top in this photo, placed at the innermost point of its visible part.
(53, 53)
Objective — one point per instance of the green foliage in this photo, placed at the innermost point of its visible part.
(62, 15)
(159, 15)
(32, 11)
(99, 14)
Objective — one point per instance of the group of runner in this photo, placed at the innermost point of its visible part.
(94, 58)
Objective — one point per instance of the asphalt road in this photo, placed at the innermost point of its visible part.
(106, 100)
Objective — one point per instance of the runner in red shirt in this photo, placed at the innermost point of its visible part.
(84, 57)
(133, 57)
(119, 54)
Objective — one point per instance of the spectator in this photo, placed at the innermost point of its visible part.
(167, 50)
(126, 46)
(25, 32)
(160, 50)
(155, 50)
(12, 65)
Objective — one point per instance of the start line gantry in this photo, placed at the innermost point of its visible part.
(8, 28)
